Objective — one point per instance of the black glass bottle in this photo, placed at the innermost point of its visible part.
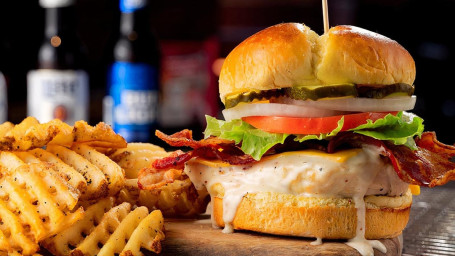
(59, 87)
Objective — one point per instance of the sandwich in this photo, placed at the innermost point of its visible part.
(316, 140)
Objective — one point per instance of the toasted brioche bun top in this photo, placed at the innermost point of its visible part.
(291, 54)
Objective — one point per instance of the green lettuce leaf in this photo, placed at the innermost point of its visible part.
(255, 142)
(399, 129)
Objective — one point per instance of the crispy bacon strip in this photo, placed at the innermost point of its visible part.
(432, 164)
(210, 148)
(411, 166)
(151, 178)
(175, 160)
(441, 156)
(185, 139)
(352, 140)
(229, 154)
(178, 158)
(168, 169)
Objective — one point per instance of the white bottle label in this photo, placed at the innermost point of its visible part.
(3, 98)
(136, 108)
(61, 94)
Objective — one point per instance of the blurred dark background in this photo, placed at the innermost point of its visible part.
(422, 27)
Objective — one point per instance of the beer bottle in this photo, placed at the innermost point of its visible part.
(133, 77)
(59, 88)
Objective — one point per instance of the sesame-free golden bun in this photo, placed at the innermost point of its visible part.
(329, 218)
(291, 54)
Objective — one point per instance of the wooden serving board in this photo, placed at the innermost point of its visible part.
(197, 237)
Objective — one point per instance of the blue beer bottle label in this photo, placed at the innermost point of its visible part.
(132, 5)
(134, 92)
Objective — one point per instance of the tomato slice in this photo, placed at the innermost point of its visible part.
(311, 125)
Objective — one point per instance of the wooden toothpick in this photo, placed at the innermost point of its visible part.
(325, 15)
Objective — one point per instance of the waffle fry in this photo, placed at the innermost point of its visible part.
(115, 175)
(177, 199)
(13, 138)
(147, 235)
(9, 162)
(101, 135)
(119, 225)
(62, 243)
(3, 241)
(5, 128)
(122, 233)
(13, 233)
(39, 135)
(35, 203)
(16, 253)
(65, 135)
(67, 172)
(137, 156)
(100, 235)
(97, 185)
(30, 134)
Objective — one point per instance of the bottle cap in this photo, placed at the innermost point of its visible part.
(55, 3)
(132, 5)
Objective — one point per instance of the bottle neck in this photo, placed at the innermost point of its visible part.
(60, 21)
(134, 21)
(137, 42)
(61, 48)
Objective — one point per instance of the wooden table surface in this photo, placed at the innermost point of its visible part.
(198, 237)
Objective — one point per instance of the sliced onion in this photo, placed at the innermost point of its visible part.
(320, 108)
(357, 104)
(276, 109)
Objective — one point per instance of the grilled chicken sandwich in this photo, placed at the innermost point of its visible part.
(316, 142)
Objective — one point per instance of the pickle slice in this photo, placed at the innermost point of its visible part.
(382, 91)
(321, 91)
(233, 100)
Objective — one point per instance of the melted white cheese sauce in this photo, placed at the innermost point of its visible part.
(363, 246)
(351, 173)
(317, 242)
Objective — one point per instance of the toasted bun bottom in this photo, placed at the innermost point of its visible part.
(333, 218)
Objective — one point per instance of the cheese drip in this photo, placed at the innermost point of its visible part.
(350, 173)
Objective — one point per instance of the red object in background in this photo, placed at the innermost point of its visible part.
(189, 88)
